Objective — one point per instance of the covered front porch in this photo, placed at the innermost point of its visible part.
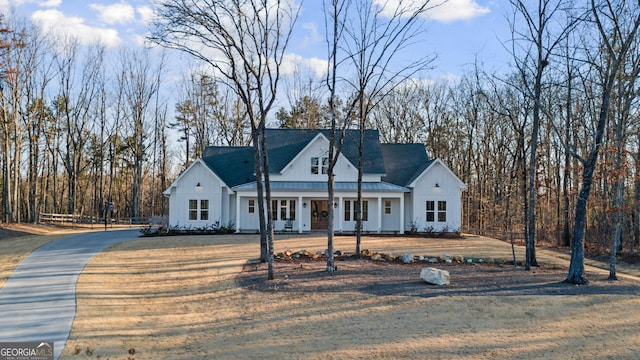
(304, 207)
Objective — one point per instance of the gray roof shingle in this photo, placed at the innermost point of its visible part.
(235, 165)
(404, 162)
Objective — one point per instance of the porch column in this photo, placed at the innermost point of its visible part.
(237, 212)
(379, 214)
(299, 213)
(338, 213)
(402, 213)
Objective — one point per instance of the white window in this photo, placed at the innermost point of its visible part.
(347, 210)
(194, 210)
(325, 165)
(287, 209)
(319, 165)
(387, 207)
(252, 206)
(350, 212)
(442, 211)
(274, 209)
(204, 209)
(292, 209)
(431, 215)
(365, 210)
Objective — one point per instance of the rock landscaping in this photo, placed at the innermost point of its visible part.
(405, 258)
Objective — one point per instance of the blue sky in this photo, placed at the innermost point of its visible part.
(458, 32)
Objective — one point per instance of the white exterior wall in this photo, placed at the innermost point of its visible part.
(211, 188)
(227, 207)
(300, 167)
(448, 189)
(377, 221)
(248, 220)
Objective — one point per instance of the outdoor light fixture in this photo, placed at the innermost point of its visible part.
(304, 205)
(437, 185)
(198, 185)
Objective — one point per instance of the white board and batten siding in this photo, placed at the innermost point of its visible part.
(437, 185)
(198, 183)
(299, 169)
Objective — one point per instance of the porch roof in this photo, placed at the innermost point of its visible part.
(339, 186)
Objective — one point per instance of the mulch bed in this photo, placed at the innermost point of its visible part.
(385, 278)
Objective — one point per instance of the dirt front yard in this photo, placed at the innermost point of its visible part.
(197, 297)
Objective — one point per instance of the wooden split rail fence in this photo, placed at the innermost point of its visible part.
(62, 219)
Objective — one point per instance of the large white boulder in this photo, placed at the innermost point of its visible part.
(435, 276)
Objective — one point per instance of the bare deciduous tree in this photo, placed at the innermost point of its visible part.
(372, 38)
(541, 39)
(617, 26)
(244, 41)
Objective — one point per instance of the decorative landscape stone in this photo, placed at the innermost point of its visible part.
(407, 258)
(435, 276)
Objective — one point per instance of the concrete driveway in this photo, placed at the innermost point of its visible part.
(38, 301)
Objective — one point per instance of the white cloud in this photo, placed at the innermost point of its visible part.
(119, 13)
(439, 10)
(7, 5)
(41, 3)
(293, 63)
(453, 10)
(313, 36)
(146, 14)
(50, 3)
(55, 22)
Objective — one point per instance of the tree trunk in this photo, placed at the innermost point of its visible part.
(257, 158)
(617, 217)
(267, 188)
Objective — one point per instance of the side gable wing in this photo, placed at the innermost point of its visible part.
(196, 164)
(447, 177)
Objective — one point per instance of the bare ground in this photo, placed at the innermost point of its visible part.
(383, 278)
(199, 297)
(189, 298)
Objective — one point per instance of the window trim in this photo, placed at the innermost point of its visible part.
(347, 210)
(387, 207)
(430, 211)
(292, 210)
(193, 209)
(204, 209)
(364, 210)
(198, 210)
(442, 211)
(319, 165)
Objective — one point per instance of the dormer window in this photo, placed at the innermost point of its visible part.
(319, 165)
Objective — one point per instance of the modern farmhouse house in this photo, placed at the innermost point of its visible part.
(402, 188)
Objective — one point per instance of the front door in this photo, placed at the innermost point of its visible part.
(319, 214)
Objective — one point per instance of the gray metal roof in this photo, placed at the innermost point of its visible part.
(322, 186)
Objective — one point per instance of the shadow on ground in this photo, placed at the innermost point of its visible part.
(384, 279)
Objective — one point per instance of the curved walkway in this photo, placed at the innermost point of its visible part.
(38, 301)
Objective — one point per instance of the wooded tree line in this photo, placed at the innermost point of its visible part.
(538, 142)
(85, 131)
(80, 130)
